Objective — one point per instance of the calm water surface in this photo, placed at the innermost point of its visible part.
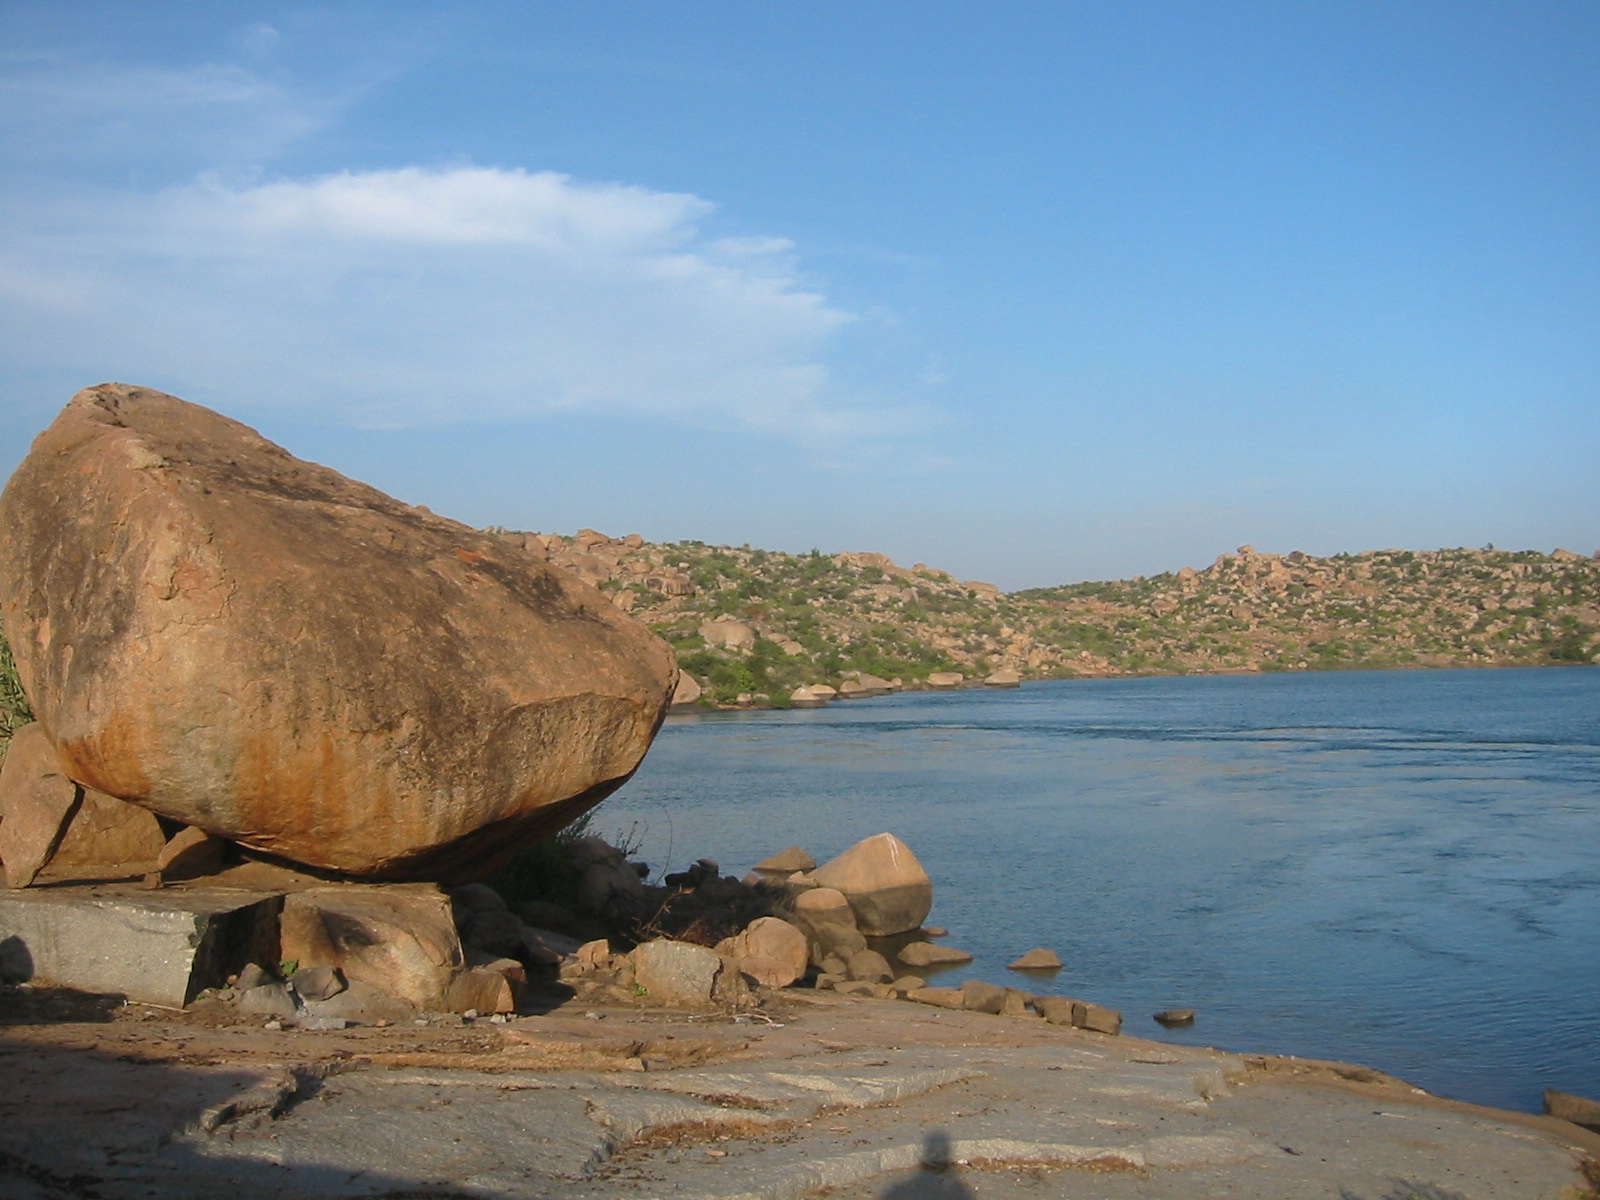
(1397, 868)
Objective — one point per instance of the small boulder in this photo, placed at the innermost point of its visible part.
(1173, 1018)
(683, 975)
(906, 984)
(785, 863)
(273, 999)
(1038, 959)
(825, 917)
(192, 853)
(36, 802)
(870, 966)
(977, 996)
(107, 837)
(769, 950)
(480, 990)
(1096, 1018)
(400, 938)
(938, 996)
(1016, 1003)
(686, 695)
(855, 987)
(361, 1003)
(1003, 679)
(833, 964)
(1580, 1110)
(926, 954)
(728, 634)
(513, 972)
(1055, 1009)
(888, 889)
(317, 983)
(946, 679)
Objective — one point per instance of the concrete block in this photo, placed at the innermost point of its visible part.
(160, 947)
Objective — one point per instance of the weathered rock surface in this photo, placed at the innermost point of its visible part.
(49, 823)
(190, 854)
(926, 954)
(769, 950)
(36, 802)
(683, 975)
(106, 837)
(887, 888)
(786, 862)
(1037, 1111)
(401, 939)
(824, 915)
(157, 947)
(1037, 959)
(260, 647)
(686, 695)
(870, 966)
(1580, 1110)
(728, 633)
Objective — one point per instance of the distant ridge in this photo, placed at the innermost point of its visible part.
(749, 622)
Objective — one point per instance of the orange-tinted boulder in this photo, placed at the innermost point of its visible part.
(36, 802)
(266, 650)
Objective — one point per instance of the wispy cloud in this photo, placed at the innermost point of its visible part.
(413, 295)
(149, 239)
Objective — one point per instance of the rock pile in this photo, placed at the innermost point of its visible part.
(259, 648)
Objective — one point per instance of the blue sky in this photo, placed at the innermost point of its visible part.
(1031, 292)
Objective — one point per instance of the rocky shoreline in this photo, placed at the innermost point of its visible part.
(794, 1057)
(810, 1094)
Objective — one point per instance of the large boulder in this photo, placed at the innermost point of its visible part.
(887, 887)
(264, 649)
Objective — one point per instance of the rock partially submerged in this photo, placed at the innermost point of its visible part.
(263, 649)
(888, 889)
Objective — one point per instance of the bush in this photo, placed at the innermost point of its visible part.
(14, 708)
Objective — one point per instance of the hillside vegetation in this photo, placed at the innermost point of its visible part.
(749, 622)
(760, 623)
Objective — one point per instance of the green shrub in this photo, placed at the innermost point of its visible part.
(14, 707)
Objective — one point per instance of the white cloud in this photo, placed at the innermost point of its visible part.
(410, 296)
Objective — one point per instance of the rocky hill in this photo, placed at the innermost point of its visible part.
(749, 623)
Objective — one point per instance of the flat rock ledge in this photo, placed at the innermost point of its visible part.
(863, 1098)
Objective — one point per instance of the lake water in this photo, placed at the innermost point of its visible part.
(1394, 868)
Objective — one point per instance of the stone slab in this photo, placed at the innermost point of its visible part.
(157, 947)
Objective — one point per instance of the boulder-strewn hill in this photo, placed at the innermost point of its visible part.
(746, 621)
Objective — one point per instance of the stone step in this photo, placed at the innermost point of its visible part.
(157, 947)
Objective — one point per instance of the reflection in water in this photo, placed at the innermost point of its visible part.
(1400, 868)
(938, 1177)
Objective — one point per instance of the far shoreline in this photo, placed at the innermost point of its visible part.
(977, 685)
